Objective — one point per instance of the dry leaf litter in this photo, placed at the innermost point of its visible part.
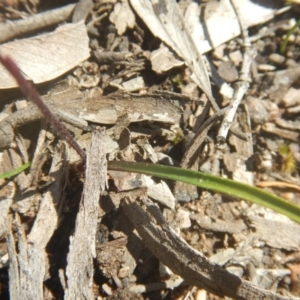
(113, 68)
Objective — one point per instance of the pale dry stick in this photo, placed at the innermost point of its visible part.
(12, 29)
(242, 85)
(82, 250)
(31, 93)
(278, 184)
(284, 133)
(183, 260)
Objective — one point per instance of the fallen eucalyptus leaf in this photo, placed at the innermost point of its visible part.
(47, 56)
(220, 24)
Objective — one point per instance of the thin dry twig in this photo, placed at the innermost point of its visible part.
(241, 85)
(182, 190)
(12, 29)
(278, 184)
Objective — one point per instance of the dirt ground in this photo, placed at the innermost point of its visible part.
(145, 97)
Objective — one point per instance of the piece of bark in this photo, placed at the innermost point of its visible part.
(80, 269)
(277, 234)
(7, 192)
(101, 110)
(232, 227)
(28, 265)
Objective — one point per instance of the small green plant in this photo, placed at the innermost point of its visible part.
(15, 172)
(286, 160)
(178, 137)
(286, 39)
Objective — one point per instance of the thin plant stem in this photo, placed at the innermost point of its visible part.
(31, 93)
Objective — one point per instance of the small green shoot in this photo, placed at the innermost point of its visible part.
(286, 39)
(15, 172)
(178, 137)
(286, 161)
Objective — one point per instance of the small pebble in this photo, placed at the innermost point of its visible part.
(123, 272)
(266, 68)
(107, 289)
(183, 217)
(277, 58)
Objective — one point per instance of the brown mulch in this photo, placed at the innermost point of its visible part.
(252, 242)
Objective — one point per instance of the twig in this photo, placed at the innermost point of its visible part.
(183, 260)
(31, 93)
(278, 184)
(284, 133)
(241, 85)
(192, 152)
(10, 30)
(183, 191)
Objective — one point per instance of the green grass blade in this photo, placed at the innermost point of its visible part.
(286, 39)
(14, 172)
(214, 183)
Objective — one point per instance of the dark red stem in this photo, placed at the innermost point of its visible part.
(31, 93)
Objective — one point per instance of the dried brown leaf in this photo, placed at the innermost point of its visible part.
(47, 56)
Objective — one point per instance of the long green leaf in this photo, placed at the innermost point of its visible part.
(214, 183)
(14, 172)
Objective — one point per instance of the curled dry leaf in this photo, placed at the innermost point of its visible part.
(47, 56)
(166, 22)
(220, 24)
(163, 60)
(122, 17)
